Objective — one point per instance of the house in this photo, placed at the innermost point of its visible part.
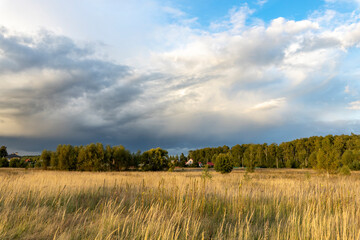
(190, 162)
(13, 156)
(210, 164)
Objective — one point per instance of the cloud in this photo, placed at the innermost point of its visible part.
(268, 105)
(235, 84)
(354, 105)
(261, 2)
(173, 11)
(43, 77)
(343, 1)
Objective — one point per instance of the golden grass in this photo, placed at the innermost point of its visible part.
(268, 204)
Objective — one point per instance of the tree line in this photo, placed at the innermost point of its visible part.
(328, 153)
(96, 157)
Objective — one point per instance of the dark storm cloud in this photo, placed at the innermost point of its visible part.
(74, 70)
(53, 83)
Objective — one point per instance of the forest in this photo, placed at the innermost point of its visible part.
(329, 153)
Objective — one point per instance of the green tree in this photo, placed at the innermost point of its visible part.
(224, 163)
(91, 158)
(121, 158)
(237, 153)
(260, 155)
(183, 160)
(271, 153)
(45, 159)
(81, 159)
(321, 159)
(313, 160)
(347, 158)
(100, 158)
(66, 157)
(136, 159)
(250, 157)
(109, 153)
(4, 162)
(155, 160)
(54, 161)
(3, 152)
(15, 163)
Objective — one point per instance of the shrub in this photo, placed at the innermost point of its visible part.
(223, 163)
(14, 163)
(4, 162)
(344, 170)
(355, 165)
(250, 169)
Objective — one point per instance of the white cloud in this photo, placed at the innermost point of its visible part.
(262, 2)
(347, 89)
(343, 1)
(270, 104)
(173, 11)
(354, 105)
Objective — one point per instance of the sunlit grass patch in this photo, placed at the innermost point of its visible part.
(267, 204)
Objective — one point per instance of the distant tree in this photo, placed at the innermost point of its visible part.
(327, 161)
(15, 163)
(321, 159)
(54, 161)
(136, 159)
(108, 157)
(66, 157)
(339, 144)
(45, 159)
(355, 165)
(4, 162)
(121, 158)
(347, 158)
(260, 155)
(313, 160)
(183, 160)
(288, 150)
(91, 158)
(224, 163)
(237, 153)
(250, 157)
(3, 152)
(81, 159)
(100, 158)
(271, 153)
(155, 160)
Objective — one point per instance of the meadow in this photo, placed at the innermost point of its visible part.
(267, 204)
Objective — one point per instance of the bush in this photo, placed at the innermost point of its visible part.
(223, 163)
(250, 169)
(14, 163)
(355, 165)
(4, 162)
(344, 170)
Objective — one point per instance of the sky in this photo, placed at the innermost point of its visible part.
(176, 74)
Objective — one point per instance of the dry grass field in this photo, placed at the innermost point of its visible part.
(267, 204)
